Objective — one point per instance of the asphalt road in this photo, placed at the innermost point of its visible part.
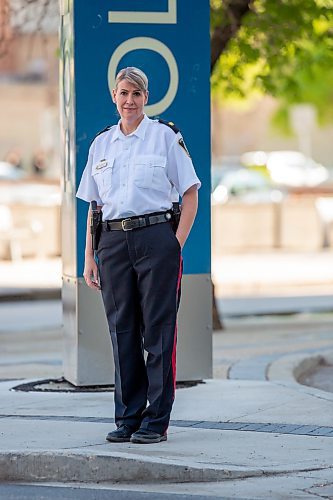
(33, 492)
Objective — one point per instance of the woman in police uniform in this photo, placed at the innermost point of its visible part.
(133, 170)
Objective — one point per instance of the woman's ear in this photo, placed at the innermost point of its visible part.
(146, 99)
(114, 95)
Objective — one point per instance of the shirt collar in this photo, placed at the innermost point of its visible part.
(140, 131)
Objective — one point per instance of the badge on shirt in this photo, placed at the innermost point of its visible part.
(101, 164)
(183, 145)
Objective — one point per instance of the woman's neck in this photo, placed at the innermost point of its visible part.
(127, 127)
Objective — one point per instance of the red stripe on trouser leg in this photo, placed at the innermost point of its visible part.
(175, 334)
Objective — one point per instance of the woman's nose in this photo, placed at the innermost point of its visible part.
(129, 99)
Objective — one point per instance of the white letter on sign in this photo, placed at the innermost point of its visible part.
(156, 46)
(169, 17)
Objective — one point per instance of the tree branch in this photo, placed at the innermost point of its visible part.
(234, 11)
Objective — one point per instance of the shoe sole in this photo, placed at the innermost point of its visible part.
(147, 440)
(118, 440)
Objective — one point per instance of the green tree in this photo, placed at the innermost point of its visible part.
(283, 48)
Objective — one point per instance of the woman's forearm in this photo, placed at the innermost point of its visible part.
(188, 213)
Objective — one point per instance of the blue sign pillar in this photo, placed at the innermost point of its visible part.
(169, 41)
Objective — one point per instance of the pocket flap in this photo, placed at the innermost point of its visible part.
(150, 160)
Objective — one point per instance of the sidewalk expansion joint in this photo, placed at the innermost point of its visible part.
(309, 391)
(271, 407)
(84, 446)
(271, 428)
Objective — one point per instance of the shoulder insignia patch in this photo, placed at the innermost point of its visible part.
(183, 145)
(169, 124)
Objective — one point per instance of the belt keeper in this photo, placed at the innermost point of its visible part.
(108, 227)
(147, 220)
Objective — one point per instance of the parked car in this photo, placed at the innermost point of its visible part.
(219, 170)
(246, 185)
(294, 169)
(9, 171)
(287, 168)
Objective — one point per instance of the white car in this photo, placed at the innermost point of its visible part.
(247, 186)
(294, 169)
(8, 171)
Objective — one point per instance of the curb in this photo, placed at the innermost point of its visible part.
(293, 367)
(27, 294)
(43, 466)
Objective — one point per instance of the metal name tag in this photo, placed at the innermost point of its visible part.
(101, 164)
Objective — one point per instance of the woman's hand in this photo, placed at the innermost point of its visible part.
(90, 273)
(189, 210)
(181, 241)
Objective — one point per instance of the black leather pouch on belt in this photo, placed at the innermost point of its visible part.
(95, 225)
(176, 211)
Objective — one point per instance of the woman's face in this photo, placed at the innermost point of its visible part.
(130, 100)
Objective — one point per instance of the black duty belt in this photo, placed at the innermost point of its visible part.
(136, 222)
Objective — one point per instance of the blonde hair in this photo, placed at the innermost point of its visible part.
(134, 76)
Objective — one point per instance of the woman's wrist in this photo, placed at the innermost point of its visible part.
(181, 239)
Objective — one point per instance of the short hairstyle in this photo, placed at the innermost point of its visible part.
(134, 76)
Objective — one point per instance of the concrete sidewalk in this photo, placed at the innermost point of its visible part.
(252, 432)
(221, 429)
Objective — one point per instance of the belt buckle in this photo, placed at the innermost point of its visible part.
(123, 225)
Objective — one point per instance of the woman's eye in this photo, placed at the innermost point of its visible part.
(123, 92)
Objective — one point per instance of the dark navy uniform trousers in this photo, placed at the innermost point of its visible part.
(140, 274)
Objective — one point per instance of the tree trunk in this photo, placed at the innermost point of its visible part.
(234, 10)
(217, 323)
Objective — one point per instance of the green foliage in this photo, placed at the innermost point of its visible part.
(283, 48)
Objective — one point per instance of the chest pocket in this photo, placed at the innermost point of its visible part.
(102, 175)
(150, 172)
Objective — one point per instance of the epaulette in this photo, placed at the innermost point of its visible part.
(101, 132)
(169, 124)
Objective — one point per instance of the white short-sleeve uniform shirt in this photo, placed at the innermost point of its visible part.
(138, 173)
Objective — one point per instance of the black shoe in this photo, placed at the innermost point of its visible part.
(121, 435)
(145, 436)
